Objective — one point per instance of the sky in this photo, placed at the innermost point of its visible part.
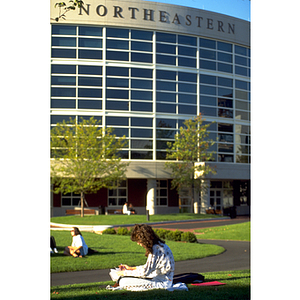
(235, 8)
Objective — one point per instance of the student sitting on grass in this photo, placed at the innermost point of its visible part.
(78, 248)
(158, 271)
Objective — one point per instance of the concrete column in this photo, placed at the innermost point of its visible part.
(151, 196)
(204, 196)
(196, 201)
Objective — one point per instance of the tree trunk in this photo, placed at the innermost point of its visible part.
(82, 204)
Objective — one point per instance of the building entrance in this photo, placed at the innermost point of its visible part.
(215, 200)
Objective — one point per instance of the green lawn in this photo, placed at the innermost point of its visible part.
(237, 288)
(114, 250)
(235, 232)
(125, 219)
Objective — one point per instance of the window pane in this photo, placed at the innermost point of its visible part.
(141, 35)
(64, 41)
(165, 37)
(117, 82)
(208, 54)
(141, 154)
(144, 73)
(116, 71)
(224, 46)
(189, 77)
(92, 70)
(141, 95)
(208, 79)
(142, 122)
(89, 104)
(207, 43)
(187, 40)
(209, 65)
(208, 100)
(166, 86)
(90, 81)
(91, 43)
(63, 30)
(186, 109)
(64, 53)
(63, 80)
(117, 121)
(114, 55)
(142, 84)
(208, 111)
(117, 44)
(168, 97)
(160, 74)
(90, 93)
(117, 105)
(63, 69)
(225, 81)
(141, 57)
(117, 32)
(165, 59)
(141, 46)
(63, 103)
(160, 107)
(91, 31)
(165, 123)
(63, 92)
(117, 94)
(141, 106)
(90, 54)
(144, 133)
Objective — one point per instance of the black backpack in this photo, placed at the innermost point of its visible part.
(188, 278)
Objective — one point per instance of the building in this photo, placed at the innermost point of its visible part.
(143, 68)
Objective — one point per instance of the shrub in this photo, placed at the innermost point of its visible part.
(161, 233)
(174, 235)
(122, 231)
(189, 237)
(109, 231)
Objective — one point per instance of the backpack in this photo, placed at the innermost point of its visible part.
(188, 278)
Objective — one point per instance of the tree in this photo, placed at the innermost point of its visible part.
(188, 155)
(66, 8)
(85, 158)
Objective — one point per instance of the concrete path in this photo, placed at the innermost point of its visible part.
(235, 257)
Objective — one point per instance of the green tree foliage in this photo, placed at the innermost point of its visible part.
(85, 158)
(188, 154)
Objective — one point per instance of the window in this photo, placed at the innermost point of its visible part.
(70, 199)
(118, 195)
(161, 192)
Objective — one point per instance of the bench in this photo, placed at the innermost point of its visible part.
(78, 212)
(113, 211)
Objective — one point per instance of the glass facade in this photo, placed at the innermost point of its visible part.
(144, 84)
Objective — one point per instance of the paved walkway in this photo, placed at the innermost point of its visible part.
(235, 257)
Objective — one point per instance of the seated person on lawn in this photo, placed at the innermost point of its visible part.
(78, 248)
(158, 271)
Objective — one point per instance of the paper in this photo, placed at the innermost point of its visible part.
(113, 274)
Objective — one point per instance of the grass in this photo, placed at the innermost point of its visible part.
(237, 232)
(237, 288)
(125, 219)
(114, 250)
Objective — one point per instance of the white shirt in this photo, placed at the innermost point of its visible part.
(160, 267)
(78, 241)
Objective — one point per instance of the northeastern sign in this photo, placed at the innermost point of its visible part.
(157, 16)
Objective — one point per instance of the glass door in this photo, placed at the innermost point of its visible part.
(216, 200)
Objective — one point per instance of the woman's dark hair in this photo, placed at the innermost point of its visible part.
(145, 235)
(76, 231)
